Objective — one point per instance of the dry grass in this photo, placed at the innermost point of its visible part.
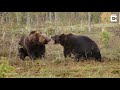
(66, 68)
(55, 66)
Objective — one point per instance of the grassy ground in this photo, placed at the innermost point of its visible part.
(54, 65)
(65, 68)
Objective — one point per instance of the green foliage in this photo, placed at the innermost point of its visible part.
(5, 68)
(105, 37)
(95, 17)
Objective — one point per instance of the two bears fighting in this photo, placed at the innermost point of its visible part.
(33, 45)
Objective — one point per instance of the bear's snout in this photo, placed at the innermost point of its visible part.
(47, 40)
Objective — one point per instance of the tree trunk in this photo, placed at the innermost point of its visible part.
(28, 21)
(119, 17)
(89, 21)
(37, 22)
(55, 21)
(3, 37)
(81, 23)
(17, 18)
(10, 49)
(50, 16)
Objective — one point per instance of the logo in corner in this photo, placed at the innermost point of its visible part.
(113, 18)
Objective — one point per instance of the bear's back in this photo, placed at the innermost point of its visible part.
(77, 40)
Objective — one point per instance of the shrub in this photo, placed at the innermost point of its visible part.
(105, 37)
(5, 68)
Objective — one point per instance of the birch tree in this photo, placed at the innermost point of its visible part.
(89, 21)
(28, 21)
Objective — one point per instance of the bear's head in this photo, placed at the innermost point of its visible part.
(38, 37)
(61, 38)
(55, 39)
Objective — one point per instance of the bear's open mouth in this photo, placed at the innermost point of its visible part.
(56, 42)
(47, 41)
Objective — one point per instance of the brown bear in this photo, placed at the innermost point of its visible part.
(79, 46)
(33, 45)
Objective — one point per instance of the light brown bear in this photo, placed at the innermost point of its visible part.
(33, 45)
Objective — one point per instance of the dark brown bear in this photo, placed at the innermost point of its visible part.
(79, 46)
(33, 45)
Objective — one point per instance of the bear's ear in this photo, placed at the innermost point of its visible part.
(32, 32)
(70, 34)
(62, 34)
(38, 32)
(32, 36)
